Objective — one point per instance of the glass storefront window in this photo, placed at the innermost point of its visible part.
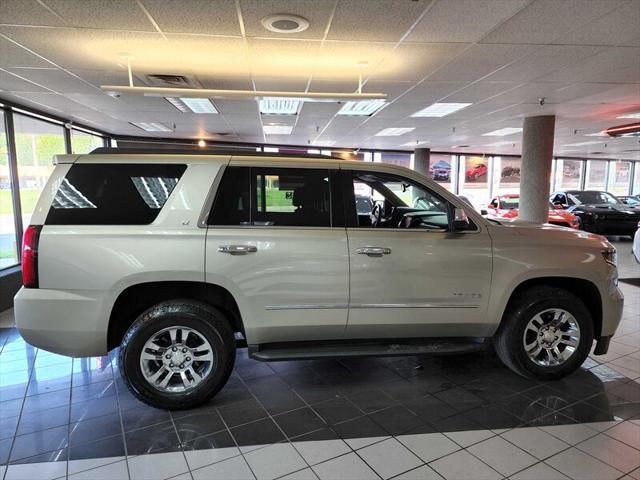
(474, 179)
(441, 169)
(402, 159)
(619, 178)
(8, 239)
(568, 173)
(82, 142)
(635, 190)
(596, 175)
(506, 175)
(36, 144)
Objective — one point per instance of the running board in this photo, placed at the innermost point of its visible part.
(369, 348)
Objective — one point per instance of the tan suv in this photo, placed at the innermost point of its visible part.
(178, 257)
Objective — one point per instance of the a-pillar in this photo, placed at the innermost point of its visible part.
(421, 159)
(535, 174)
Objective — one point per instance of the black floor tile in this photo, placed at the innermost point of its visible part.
(275, 395)
(583, 412)
(245, 411)
(493, 417)
(429, 408)
(337, 410)
(215, 440)
(92, 391)
(262, 432)
(525, 408)
(299, 422)
(325, 433)
(145, 416)
(43, 419)
(455, 423)
(155, 439)
(554, 418)
(359, 427)
(93, 408)
(396, 420)
(95, 428)
(60, 455)
(37, 387)
(403, 390)
(105, 447)
(11, 408)
(371, 400)
(198, 425)
(8, 427)
(46, 401)
(39, 442)
(459, 399)
(5, 449)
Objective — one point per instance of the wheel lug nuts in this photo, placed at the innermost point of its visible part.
(184, 350)
(174, 349)
(182, 365)
(171, 365)
(188, 359)
(167, 356)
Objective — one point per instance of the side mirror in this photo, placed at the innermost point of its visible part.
(558, 206)
(460, 220)
(483, 211)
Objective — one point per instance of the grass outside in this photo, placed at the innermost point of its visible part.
(278, 198)
(28, 199)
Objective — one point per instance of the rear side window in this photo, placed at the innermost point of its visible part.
(292, 197)
(113, 194)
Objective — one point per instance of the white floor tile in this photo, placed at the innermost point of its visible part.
(306, 474)
(356, 443)
(274, 461)
(635, 474)
(202, 458)
(76, 466)
(626, 432)
(424, 472)
(429, 446)
(463, 466)
(318, 451)
(346, 466)
(36, 471)
(612, 452)
(537, 442)
(157, 465)
(577, 464)
(233, 469)
(466, 438)
(502, 456)
(571, 434)
(112, 471)
(389, 458)
(601, 426)
(183, 476)
(539, 471)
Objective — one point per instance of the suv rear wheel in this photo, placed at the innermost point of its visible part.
(177, 354)
(546, 333)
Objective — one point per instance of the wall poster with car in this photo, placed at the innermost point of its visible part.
(441, 170)
(474, 179)
(568, 174)
(506, 175)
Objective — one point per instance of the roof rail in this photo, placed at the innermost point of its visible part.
(203, 151)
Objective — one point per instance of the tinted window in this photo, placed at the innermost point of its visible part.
(273, 197)
(113, 194)
(591, 197)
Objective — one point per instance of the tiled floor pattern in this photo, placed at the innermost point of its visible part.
(409, 417)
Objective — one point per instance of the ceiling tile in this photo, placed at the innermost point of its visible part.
(28, 12)
(198, 16)
(15, 82)
(12, 55)
(273, 58)
(57, 80)
(101, 14)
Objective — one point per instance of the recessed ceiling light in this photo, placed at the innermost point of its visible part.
(580, 144)
(152, 126)
(503, 132)
(440, 109)
(630, 115)
(393, 132)
(285, 23)
(202, 143)
(279, 106)
(193, 105)
(362, 108)
(277, 129)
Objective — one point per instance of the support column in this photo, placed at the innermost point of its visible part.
(537, 155)
(421, 159)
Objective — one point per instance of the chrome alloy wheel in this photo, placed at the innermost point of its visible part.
(177, 359)
(551, 337)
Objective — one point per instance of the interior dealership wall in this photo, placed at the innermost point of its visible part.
(29, 138)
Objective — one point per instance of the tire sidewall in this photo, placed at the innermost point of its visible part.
(527, 312)
(168, 315)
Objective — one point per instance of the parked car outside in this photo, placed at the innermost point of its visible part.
(179, 258)
(630, 200)
(599, 212)
(507, 207)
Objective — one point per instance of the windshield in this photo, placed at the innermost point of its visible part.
(509, 203)
(580, 198)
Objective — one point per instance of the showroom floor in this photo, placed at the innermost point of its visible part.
(403, 417)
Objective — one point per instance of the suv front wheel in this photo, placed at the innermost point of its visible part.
(177, 354)
(546, 333)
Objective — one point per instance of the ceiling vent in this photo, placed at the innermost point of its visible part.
(174, 81)
(285, 23)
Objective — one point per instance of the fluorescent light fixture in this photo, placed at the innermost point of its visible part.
(596, 134)
(499, 144)
(279, 106)
(503, 132)
(277, 129)
(440, 109)
(270, 149)
(325, 143)
(630, 115)
(152, 126)
(394, 132)
(362, 108)
(580, 144)
(415, 144)
(193, 105)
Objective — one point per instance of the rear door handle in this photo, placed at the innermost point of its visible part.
(237, 249)
(373, 251)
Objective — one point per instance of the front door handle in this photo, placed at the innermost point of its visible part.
(237, 249)
(373, 251)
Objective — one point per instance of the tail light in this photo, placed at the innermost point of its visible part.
(30, 256)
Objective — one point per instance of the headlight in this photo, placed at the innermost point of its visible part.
(610, 256)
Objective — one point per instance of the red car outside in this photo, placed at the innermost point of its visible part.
(506, 207)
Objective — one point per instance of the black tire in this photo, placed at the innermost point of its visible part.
(207, 321)
(508, 341)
